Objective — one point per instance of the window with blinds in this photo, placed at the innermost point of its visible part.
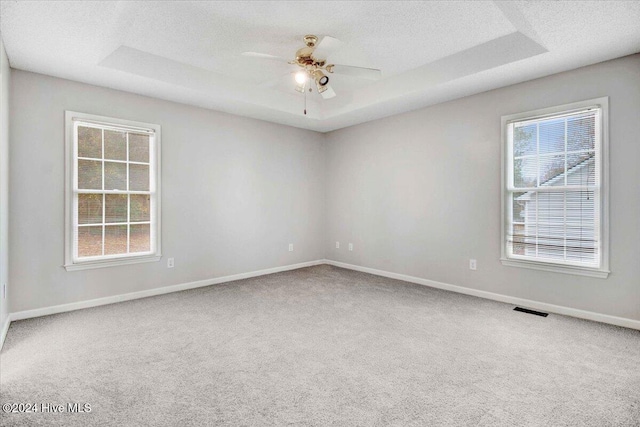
(113, 187)
(554, 191)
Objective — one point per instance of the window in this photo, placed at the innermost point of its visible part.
(555, 189)
(113, 192)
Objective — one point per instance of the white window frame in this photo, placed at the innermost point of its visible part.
(559, 267)
(71, 261)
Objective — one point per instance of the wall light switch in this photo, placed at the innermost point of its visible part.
(170, 263)
(290, 247)
(350, 246)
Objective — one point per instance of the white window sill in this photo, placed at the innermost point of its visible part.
(556, 268)
(111, 262)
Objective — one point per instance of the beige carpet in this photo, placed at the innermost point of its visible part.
(320, 346)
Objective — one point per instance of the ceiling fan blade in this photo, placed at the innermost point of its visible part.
(275, 81)
(264, 56)
(328, 93)
(362, 72)
(327, 46)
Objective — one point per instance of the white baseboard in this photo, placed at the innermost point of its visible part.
(5, 329)
(27, 314)
(552, 308)
(597, 317)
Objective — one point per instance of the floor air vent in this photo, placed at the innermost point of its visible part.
(526, 310)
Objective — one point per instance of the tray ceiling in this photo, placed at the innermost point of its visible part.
(428, 52)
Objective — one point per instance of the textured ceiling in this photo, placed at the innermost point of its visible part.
(428, 52)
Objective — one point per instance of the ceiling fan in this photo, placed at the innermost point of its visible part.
(312, 61)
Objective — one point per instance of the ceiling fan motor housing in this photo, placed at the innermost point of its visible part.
(304, 55)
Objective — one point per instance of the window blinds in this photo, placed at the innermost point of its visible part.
(553, 188)
(114, 191)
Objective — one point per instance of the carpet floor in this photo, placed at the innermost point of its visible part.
(320, 346)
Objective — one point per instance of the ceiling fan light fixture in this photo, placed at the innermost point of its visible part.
(301, 78)
(321, 78)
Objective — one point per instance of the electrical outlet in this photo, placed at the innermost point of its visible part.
(350, 246)
(4, 291)
(473, 264)
(337, 245)
(290, 247)
(170, 263)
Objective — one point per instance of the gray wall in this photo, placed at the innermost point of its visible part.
(419, 193)
(235, 193)
(5, 76)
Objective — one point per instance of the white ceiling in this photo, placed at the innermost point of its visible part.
(429, 52)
